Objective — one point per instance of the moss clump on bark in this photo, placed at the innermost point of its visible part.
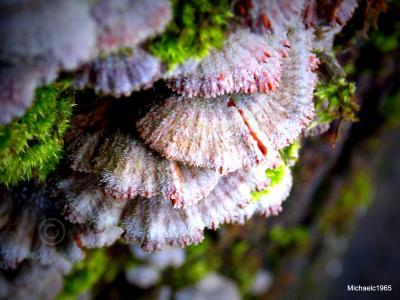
(335, 100)
(31, 146)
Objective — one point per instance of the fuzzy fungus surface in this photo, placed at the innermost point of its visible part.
(184, 116)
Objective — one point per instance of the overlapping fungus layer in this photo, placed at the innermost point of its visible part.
(197, 159)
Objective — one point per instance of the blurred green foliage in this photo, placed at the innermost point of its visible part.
(31, 146)
(197, 27)
(84, 275)
(356, 194)
(243, 274)
(210, 256)
(386, 42)
(285, 242)
(288, 237)
(200, 260)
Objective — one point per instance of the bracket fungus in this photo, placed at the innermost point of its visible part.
(270, 15)
(33, 281)
(328, 17)
(127, 23)
(198, 154)
(17, 88)
(236, 131)
(39, 38)
(154, 221)
(32, 228)
(43, 38)
(120, 74)
(127, 168)
(246, 63)
(54, 32)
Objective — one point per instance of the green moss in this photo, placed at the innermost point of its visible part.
(84, 275)
(31, 146)
(350, 68)
(197, 27)
(335, 100)
(276, 176)
(290, 154)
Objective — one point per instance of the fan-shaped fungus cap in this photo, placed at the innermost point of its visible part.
(246, 63)
(120, 74)
(237, 131)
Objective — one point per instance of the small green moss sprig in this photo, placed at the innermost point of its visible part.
(197, 27)
(31, 146)
(84, 275)
(289, 156)
(276, 176)
(335, 100)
